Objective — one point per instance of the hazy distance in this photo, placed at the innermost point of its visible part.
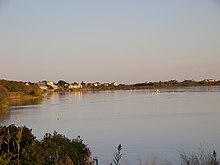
(124, 41)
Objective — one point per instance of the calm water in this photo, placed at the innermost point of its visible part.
(145, 123)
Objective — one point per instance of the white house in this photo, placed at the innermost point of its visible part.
(209, 80)
(114, 84)
(55, 87)
(43, 87)
(50, 83)
(75, 86)
(106, 84)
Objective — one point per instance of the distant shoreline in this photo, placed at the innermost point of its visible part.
(61, 85)
(10, 90)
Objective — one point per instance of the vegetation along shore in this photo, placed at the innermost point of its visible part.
(13, 90)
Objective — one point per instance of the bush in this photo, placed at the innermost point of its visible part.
(19, 146)
(58, 148)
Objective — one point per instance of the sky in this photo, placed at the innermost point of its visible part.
(125, 41)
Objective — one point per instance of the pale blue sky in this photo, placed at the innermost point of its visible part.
(109, 40)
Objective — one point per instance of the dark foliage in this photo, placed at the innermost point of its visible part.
(19, 146)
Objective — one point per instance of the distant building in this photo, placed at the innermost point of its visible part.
(75, 86)
(114, 84)
(54, 87)
(209, 80)
(47, 85)
(42, 85)
(106, 84)
(50, 83)
(96, 84)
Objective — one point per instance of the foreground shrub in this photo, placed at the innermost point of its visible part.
(58, 149)
(19, 146)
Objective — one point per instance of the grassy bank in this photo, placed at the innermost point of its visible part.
(4, 95)
(14, 90)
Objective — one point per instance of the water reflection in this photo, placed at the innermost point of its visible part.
(19, 104)
(23, 102)
(144, 122)
(4, 114)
